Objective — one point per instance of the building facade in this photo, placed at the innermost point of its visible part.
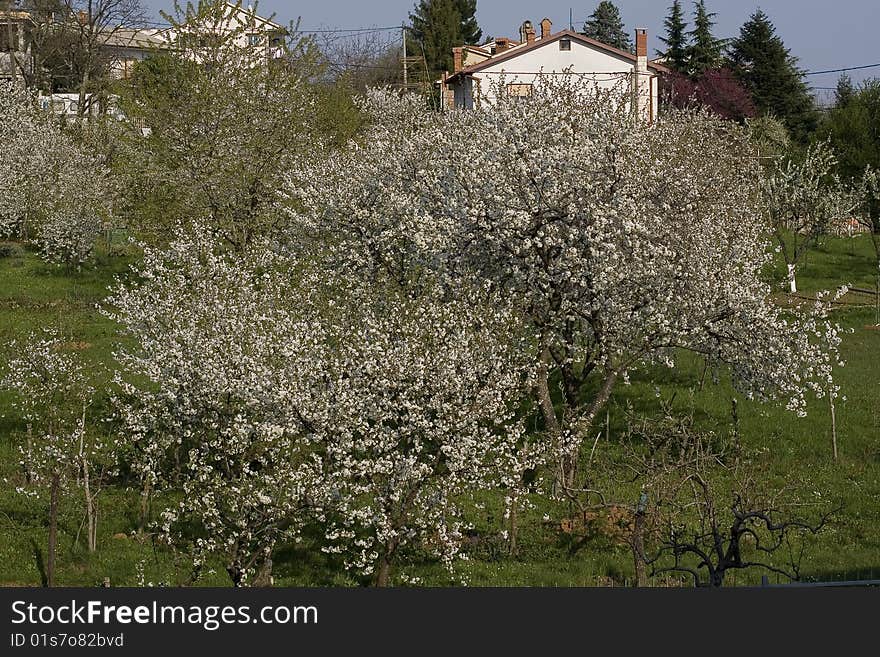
(513, 68)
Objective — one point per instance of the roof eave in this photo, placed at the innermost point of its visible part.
(511, 54)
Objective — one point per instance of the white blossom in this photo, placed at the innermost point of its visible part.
(52, 192)
(619, 244)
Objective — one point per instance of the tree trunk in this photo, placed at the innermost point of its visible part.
(81, 110)
(28, 473)
(598, 403)
(53, 529)
(551, 422)
(792, 281)
(91, 510)
(236, 574)
(263, 576)
(145, 507)
(514, 526)
(383, 574)
(638, 548)
(833, 425)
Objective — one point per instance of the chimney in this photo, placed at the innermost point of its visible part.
(457, 58)
(527, 32)
(641, 43)
(546, 26)
(642, 87)
(501, 44)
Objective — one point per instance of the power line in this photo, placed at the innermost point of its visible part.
(302, 30)
(843, 70)
(365, 30)
(351, 31)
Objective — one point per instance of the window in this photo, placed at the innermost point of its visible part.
(255, 39)
(519, 90)
(565, 44)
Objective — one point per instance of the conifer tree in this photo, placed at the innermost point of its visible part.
(440, 25)
(470, 29)
(705, 51)
(606, 25)
(845, 91)
(676, 52)
(769, 71)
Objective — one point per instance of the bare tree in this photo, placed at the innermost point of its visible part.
(70, 40)
(694, 503)
(362, 59)
(710, 511)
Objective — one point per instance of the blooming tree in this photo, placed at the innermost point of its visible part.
(622, 244)
(219, 400)
(53, 192)
(421, 415)
(54, 394)
(269, 394)
(802, 199)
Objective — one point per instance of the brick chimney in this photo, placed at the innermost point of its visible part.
(546, 27)
(501, 44)
(642, 43)
(457, 59)
(643, 101)
(527, 32)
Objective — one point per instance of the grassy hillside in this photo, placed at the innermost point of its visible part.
(34, 295)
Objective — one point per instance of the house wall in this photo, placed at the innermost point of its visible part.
(598, 67)
(257, 33)
(123, 60)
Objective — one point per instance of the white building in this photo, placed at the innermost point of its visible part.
(241, 25)
(123, 47)
(520, 65)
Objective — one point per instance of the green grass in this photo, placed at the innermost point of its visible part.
(35, 296)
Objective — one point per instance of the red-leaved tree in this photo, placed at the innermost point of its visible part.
(717, 89)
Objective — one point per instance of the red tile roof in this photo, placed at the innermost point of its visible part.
(570, 34)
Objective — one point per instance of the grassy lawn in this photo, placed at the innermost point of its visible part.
(35, 296)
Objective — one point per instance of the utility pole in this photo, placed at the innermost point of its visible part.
(403, 41)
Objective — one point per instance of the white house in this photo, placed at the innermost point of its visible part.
(123, 47)
(248, 30)
(520, 65)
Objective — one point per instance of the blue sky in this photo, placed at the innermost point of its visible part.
(822, 35)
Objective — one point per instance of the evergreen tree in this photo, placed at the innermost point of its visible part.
(470, 30)
(440, 25)
(705, 51)
(676, 52)
(767, 69)
(606, 25)
(854, 129)
(845, 91)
